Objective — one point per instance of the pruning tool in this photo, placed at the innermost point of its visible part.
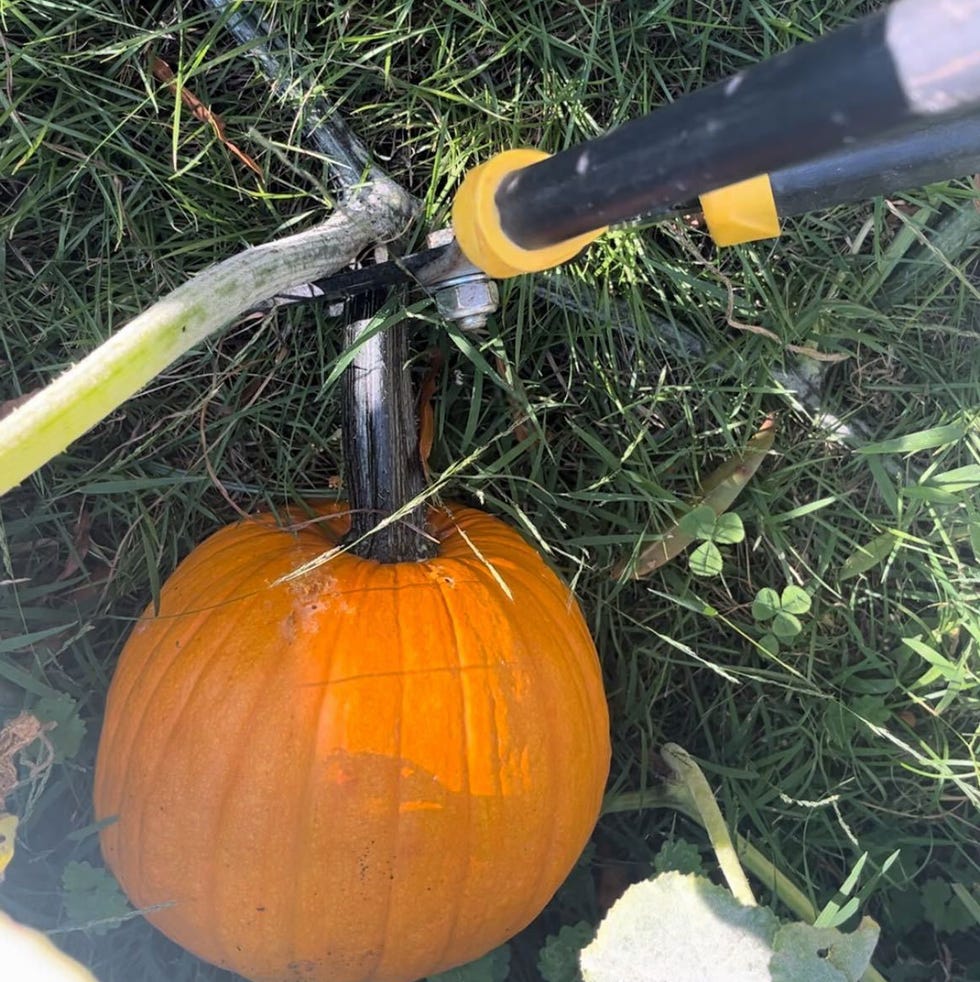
(888, 103)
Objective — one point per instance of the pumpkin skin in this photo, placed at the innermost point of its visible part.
(362, 773)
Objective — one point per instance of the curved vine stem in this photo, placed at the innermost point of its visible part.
(698, 791)
(347, 160)
(74, 402)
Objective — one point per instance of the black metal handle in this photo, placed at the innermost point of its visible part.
(918, 60)
(949, 148)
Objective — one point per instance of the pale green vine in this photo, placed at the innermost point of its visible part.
(73, 403)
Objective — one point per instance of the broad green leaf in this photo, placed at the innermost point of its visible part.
(935, 894)
(766, 604)
(948, 908)
(699, 523)
(795, 600)
(803, 953)
(494, 966)
(91, 897)
(770, 643)
(839, 724)
(728, 529)
(868, 556)
(905, 909)
(929, 439)
(676, 927)
(706, 560)
(69, 730)
(680, 856)
(786, 626)
(558, 957)
(872, 709)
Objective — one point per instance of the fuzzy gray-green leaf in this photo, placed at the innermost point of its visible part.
(803, 953)
(679, 926)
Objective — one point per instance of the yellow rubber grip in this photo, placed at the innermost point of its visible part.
(743, 212)
(476, 222)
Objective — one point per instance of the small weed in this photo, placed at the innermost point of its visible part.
(780, 613)
(711, 530)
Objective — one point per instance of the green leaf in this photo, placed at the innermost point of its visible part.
(766, 604)
(868, 556)
(836, 913)
(699, 523)
(677, 926)
(786, 626)
(970, 902)
(949, 671)
(905, 910)
(728, 529)
(706, 560)
(872, 709)
(844, 725)
(770, 643)
(680, 856)
(931, 495)
(558, 958)
(69, 730)
(957, 480)
(803, 953)
(929, 439)
(946, 910)
(795, 600)
(91, 897)
(935, 895)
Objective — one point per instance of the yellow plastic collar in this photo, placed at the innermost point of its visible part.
(743, 212)
(476, 222)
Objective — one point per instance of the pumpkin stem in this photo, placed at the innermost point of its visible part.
(384, 475)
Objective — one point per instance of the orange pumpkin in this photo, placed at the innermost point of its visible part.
(357, 772)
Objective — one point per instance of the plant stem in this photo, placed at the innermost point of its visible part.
(691, 777)
(384, 474)
(74, 402)
(348, 161)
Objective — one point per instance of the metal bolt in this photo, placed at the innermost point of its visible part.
(468, 301)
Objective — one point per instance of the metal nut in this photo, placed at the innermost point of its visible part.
(468, 300)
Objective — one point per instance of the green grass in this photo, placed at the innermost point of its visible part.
(847, 742)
